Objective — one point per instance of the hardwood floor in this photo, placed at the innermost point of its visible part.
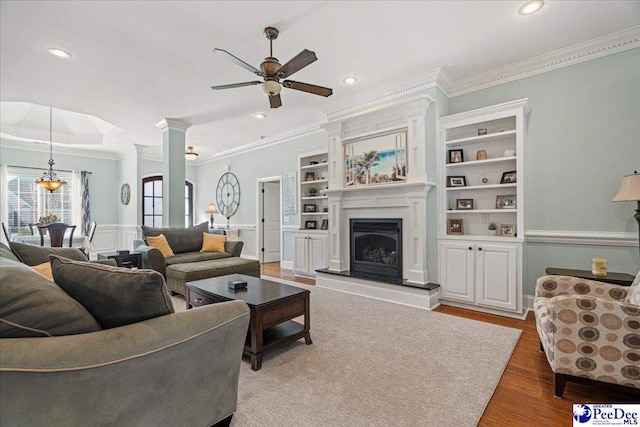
(524, 396)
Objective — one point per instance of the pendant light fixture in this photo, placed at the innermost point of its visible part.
(190, 154)
(49, 180)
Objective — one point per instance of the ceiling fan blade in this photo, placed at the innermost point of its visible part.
(296, 63)
(232, 85)
(306, 87)
(275, 101)
(238, 61)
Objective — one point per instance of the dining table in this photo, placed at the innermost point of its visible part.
(78, 241)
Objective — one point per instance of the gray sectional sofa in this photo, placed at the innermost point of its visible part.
(61, 365)
(188, 263)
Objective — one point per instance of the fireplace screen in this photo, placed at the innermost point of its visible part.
(376, 247)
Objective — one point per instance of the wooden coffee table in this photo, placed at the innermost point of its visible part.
(273, 306)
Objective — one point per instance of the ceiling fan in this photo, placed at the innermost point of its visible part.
(271, 71)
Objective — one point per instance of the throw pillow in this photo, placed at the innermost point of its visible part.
(180, 239)
(212, 242)
(160, 243)
(114, 296)
(35, 255)
(633, 294)
(33, 306)
(44, 269)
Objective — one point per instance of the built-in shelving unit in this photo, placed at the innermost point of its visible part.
(480, 181)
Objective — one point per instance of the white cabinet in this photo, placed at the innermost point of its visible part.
(309, 252)
(481, 181)
(481, 273)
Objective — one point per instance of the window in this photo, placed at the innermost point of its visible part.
(27, 201)
(152, 202)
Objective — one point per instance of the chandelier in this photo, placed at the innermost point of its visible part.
(49, 180)
(190, 154)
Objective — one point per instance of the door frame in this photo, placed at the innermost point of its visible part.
(259, 213)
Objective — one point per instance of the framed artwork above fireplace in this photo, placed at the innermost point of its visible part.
(376, 159)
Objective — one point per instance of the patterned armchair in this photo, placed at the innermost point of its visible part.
(589, 330)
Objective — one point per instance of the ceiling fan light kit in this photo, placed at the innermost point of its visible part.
(271, 71)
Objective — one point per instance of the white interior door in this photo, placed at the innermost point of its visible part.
(271, 225)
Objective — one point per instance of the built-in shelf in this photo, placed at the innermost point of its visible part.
(319, 165)
(482, 162)
(481, 211)
(317, 181)
(481, 187)
(314, 197)
(481, 138)
(314, 213)
(481, 237)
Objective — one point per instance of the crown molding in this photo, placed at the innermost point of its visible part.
(581, 52)
(263, 143)
(41, 147)
(390, 92)
(173, 124)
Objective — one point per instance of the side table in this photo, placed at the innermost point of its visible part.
(622, 279)
(130, 260)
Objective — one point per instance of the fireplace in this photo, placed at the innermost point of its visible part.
(376, 248)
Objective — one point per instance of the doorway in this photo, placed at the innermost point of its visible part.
(269, 220)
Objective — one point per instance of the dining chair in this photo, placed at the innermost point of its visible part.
(6, 233)
(56, 232)
(31, 226)
(92, 230)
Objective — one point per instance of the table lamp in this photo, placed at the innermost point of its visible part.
(212, 209)
(630, 192)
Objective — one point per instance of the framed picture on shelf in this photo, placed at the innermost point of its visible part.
(455, 226)
(324, 225)
(456, 181)
(309, 208)
(508, 201)
(464, 204)
(456, 156)
(508, 177)
(310, 176)
(508, 230)
(310, 225)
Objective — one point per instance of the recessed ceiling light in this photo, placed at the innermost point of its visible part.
(59, 52)
(350, 80)
(259, 116)
(531, 7)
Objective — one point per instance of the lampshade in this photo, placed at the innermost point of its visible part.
(629, 189)
(271, 87)
(49, 179)
(190, 154)
(212, 208)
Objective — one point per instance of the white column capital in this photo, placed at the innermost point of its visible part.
(173, 124)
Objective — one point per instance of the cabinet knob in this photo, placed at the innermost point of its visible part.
(479, 249)
(470, 248)
(198, 300)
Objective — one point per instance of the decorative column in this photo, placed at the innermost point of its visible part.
(417, 248)
(336, 180)
(173, 171)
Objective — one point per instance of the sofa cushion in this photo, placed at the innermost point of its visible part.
(7, 253)
(33, 306)
(633, 294)
(35, 255)
(205, 269)
(114, 296)
(44, 269)
(160, 243)
(180, 239)
(196, 257)
(213, 242)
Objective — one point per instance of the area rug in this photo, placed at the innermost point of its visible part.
(375, 363)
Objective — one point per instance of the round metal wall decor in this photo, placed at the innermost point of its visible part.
(125, 194)
(228, 194)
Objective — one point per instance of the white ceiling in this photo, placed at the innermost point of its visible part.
(137, 62)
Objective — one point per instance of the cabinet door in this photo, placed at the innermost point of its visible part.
(496, 280)
(456, 270)
(300, 253)
(317, 253)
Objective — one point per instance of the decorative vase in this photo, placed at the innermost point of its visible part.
(492, 232)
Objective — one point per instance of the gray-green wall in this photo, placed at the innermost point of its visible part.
(583, 137)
